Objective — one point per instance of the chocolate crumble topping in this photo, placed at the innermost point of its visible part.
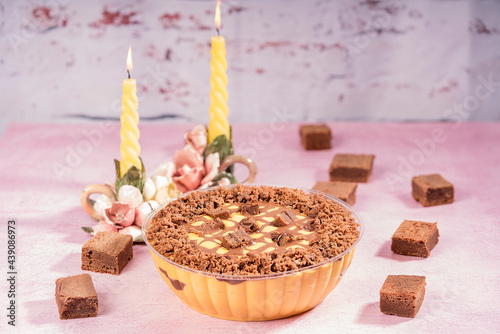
(315, 230)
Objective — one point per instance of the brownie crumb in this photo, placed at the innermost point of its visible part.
(250, 208)
(179, 219)
(196, 231)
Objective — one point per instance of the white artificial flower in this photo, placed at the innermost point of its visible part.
(166, 193)
(133, 230)
(162, 195)
(102, 203)
(149, 190)
(130, 195)
(143, 211)
(160, 181)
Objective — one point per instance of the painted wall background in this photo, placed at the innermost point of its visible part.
(64, 60)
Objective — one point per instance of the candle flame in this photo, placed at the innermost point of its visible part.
(130, 64)
(217, 15)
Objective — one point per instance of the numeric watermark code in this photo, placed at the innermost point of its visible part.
(11, 271)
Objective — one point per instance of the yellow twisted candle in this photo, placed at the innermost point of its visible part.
(129, 132)
(218, 124)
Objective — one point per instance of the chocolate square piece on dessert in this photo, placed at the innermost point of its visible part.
(236, 239)
(76, 297)
(316, 137)
(431, 190)
(415, 238)
(249, 225)
(345, 191)
(107, 252)
(220, 213)
(402, 295)
(351, 167)
(284, 218)
(250, 208)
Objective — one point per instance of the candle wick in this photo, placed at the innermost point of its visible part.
(218, 33)
(128, 74)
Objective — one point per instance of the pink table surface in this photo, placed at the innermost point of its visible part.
(462, 272)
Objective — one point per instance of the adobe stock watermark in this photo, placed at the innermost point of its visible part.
(362, 40)
(253, 144)
(375, 24)
(75, 154)
(30, 26)
(440, 301)
(458, 113)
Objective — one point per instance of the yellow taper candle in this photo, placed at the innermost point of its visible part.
(218, 124)
(129, 132)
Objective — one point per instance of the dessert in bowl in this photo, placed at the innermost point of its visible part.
(252, 253)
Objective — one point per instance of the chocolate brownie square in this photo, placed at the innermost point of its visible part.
(76, 297)
(107, 252)
(316, 137)
(345, 191)
(351, 167)
(415, 238)
(432, 189)
(402, 295)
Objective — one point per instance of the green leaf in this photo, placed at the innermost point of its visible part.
(118, 181)
(223, 146)
(133, 177)
(88, 229)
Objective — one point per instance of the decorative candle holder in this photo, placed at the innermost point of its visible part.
(123, 207)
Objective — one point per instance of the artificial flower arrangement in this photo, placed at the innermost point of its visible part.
(195, 166)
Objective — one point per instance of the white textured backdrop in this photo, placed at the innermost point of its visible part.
(64, 60)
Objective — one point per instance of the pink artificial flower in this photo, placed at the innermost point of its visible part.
(188, 157)
(188, 178)
(197, 138)
(212, 163)
(166, 169)
(120, 215)
(102, 226)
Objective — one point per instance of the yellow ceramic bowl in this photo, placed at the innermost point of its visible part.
(254, 298)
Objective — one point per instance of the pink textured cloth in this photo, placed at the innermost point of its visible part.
(45, 167)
